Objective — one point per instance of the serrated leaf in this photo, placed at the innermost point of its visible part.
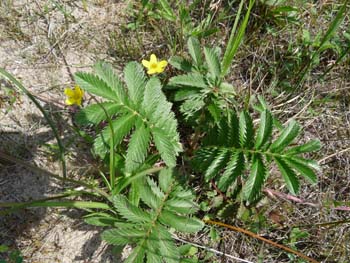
(303, 169)
(311, 146)
(152, 257)
(246, 129)
(121, 127)
(129, 211)
(165, 179)
(95, 85)
(154, 187)
(217, 164)
(192, 105)
(153, 96)
(137, 255)
(135, 81)
(122, 236)
(234, 168)
(181, 206)
(288, 175)
(194, 48)
(94, 114)
(113, 237)
(310, 163)
(106, 73)
(287, 136)
(166, 245)
(213, 62)
(256, 179)
(165, 147)
(180, 63)
(192, 80)
(181, 223)
(137, 150)
(265, 129)
(148, 196)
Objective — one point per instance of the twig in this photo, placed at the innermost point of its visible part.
(211, 250)
(273, 193)
(251, 234)
(332, 155)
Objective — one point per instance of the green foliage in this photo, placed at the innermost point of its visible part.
(139, 109)
(164, 206)
(202, 88)
(13, 256)
(225, 158)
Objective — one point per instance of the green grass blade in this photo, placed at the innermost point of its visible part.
(235, 39)
(19, 85)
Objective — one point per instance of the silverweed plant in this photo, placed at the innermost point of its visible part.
(148, 195)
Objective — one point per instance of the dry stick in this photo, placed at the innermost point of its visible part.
(332, 155)
(251, 234)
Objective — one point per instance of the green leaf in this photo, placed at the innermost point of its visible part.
(166, 245)
(129, 211)
(180, 63)
(311, 146)
(121, 128)
(256, 179)
(181, 223)
(310, 163)
(168, 11)
(216, 164)
(122, 236)
(194, 48)
(137, 255)
(135, 81)
(165, 146)
(181, 206)
(236, 38)
(152, 257)
(153, 97)
(213, 62)
(265, 129)
(94, 114)
(289, 176)
(303, 169)
(234, 168)
(287, 136)
(106, 73)
(165, 179)
(192, 80)
(148, 196)
(100, 219)
(246, 129)
(333, 27)
(95, 85)
(137, 150)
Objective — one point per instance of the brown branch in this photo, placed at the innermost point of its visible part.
(251, 234)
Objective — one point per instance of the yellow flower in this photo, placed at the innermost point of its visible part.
(74, 96)
(154, 66)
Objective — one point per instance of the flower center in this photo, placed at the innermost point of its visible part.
(153, 65)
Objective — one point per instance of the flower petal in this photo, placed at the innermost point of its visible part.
(69, 92)
(153, 59)
(146, 63)
(70, 101)
(163, 63)
(152, 71)
(79, 91)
